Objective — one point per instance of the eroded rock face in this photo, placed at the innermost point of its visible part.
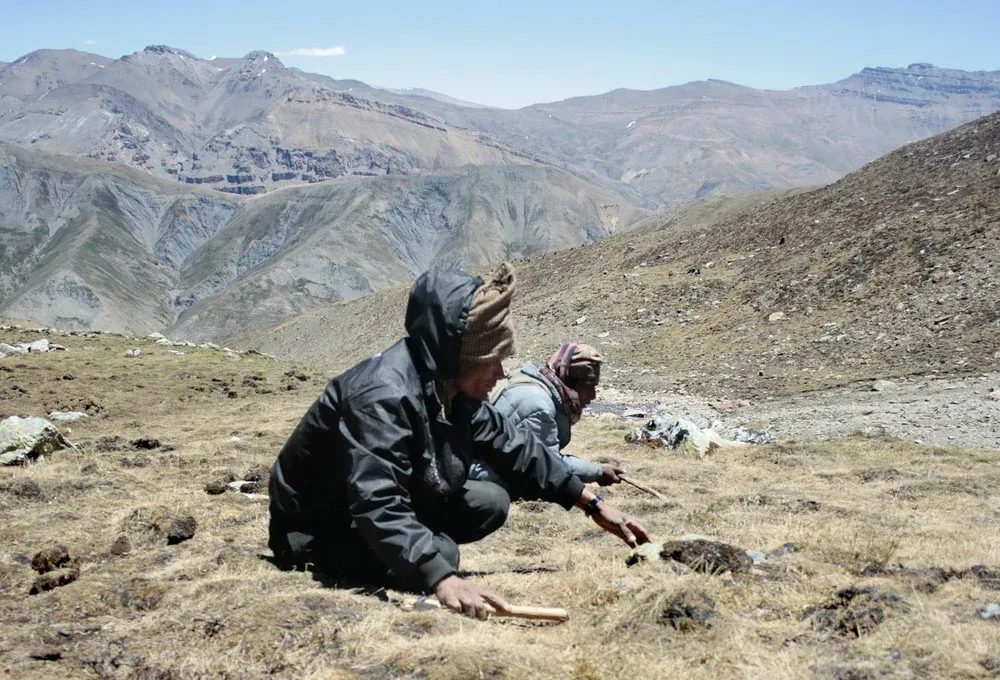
(26, 439)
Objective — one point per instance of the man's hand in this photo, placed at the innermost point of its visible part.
(609, 474)
(621, 525)
(468, 598)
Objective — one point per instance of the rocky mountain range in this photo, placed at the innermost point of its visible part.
(250, 125)
(93, 244)
(210, 196)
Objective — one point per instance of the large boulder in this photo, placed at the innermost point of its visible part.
(27, 439)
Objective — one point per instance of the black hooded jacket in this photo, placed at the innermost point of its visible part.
(376, 449)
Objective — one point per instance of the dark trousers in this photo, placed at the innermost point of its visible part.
(478, 510)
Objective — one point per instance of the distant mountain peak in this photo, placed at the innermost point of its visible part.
(261, 55)
(166, 49)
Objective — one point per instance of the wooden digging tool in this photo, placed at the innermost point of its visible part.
(642, 487)
(540, 613)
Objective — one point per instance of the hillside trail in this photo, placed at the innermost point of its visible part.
(948, 411)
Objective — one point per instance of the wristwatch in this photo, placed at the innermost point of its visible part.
(591, 507)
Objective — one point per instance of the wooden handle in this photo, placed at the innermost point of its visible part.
(516, 611)
(642, 487)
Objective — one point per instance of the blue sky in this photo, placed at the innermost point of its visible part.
(516, 53)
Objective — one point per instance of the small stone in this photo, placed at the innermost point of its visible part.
(50, 559)
(786, 549)
(756, 556)
(634, 413)
(67, 415)
(134, 352)
(120, 546)
(883, 386)
(155, 336)
(776, 316)
(991, 612)
(145, 443)
(181, 529)
(604, 334)
(580, 321)
(12, 349)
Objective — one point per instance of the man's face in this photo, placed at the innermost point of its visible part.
(587, 394)
(479, 381)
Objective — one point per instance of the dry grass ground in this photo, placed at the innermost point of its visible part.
(908, 520)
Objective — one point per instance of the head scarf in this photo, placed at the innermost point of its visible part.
(572, 365)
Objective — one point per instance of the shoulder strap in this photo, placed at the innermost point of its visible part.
(519, 379)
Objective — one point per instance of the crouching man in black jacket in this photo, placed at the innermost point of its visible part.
(372, 484)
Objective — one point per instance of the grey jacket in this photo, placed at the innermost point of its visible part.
(537, 405)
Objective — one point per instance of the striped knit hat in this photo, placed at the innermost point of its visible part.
(489, 333)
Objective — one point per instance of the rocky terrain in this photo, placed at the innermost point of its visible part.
(91, 244)
(890, 272)
(136, 545)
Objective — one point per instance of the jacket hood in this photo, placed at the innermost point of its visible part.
(436, 316)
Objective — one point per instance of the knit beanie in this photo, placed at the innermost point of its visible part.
(585, 366)
(489, 333)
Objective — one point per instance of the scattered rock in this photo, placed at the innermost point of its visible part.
(251, 487)
(884, 386)
(786, 549)
(678, 434)
(776, 316)
(155, 336)
(634, 413)
(580, 321)
(756, 556)
(145, 444)
(748, 435)
(688, 611)
(6, 349)
(991, 612)
(854, 611)
(67, 415)
(54, 579)
(134, 352)
(121, 546)
(39, 346)
(27, 439)
(50, 559)
(181, 529)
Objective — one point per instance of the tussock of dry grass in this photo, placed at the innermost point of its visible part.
(857, 510)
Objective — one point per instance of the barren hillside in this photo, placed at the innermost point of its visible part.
(890, 271)
(90, 244)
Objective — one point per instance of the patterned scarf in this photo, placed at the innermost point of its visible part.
(556, 371)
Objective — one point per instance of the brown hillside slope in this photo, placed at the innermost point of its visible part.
(891, 271)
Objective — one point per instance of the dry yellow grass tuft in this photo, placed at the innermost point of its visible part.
(879, 580)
